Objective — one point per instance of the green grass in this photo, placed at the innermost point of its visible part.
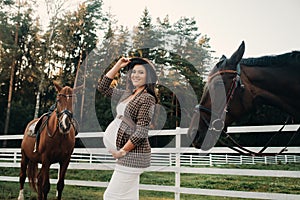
(288, 167)
(243, 183)
(9, 190)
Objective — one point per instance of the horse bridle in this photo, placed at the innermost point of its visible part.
(236, 82)
(218, 124)
(69, 114)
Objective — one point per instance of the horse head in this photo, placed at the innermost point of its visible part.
(64, 107)
(221, 101)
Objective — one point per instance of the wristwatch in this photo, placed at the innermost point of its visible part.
(123, 152)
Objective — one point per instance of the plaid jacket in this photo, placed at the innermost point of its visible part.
(140, 110)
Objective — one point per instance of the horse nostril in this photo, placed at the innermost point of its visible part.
(196, 145)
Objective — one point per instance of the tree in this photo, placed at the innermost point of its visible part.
(12, 70)
(144, 34)
(123, 39)
(181, 63)
(6, 43)
(54, 9)
(20, 51)
(116, 43)
(78, 34)
(74, 38)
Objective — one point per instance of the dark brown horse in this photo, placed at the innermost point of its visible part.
(57, 131)
(236, 86)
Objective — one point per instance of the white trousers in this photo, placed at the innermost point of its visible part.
(124, 184)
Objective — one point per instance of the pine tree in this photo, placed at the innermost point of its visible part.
(144, 34)
(115, 44)
(22, 48)
(74, 38)
(164, 31)
(54, 9)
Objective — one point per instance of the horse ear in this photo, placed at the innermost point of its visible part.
(222, 62)
(238, 55)
(223, 58)
(57, 86)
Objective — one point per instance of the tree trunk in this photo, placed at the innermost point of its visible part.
(11, 81)
(10, 91)
(37, 104)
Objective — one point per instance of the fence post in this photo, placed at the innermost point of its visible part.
(210, 160)
(15, 157)
(266, 161)
(177, 164)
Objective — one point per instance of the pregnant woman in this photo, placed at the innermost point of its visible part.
(127, 135)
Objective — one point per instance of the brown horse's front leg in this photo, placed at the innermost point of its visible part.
(43, 182)
(61, 181)
(24, 163)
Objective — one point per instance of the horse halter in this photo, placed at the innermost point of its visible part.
(64, 95)
(218, 124)
(236, 82)
(67, 114)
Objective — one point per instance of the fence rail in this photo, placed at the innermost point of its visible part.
(175, 160)
(160, 157)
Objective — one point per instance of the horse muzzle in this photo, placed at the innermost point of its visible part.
(195, 137)
(204, 139)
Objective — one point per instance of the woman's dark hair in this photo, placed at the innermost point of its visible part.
(151, 77)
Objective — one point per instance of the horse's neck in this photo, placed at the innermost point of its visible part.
(52, 123)
(268, 75)
(279, 87)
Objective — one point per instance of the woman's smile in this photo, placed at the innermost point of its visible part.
(138, 76)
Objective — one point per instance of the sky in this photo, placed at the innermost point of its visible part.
(268, 27)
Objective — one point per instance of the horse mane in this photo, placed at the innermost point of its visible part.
(291, 58)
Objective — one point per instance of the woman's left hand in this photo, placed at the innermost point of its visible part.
(117, 154)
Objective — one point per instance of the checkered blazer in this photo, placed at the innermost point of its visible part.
(140, 110)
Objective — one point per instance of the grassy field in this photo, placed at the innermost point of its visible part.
(9, 190)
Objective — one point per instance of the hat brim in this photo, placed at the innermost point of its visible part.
(139, 60)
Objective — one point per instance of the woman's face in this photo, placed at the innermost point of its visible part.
(138, 76)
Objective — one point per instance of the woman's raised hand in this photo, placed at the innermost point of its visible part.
(122, 62)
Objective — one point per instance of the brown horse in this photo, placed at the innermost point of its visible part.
(57, 132)
(236, 86)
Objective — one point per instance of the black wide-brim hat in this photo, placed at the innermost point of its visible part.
(150, 68)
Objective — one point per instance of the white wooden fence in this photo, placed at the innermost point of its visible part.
(177, 160)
